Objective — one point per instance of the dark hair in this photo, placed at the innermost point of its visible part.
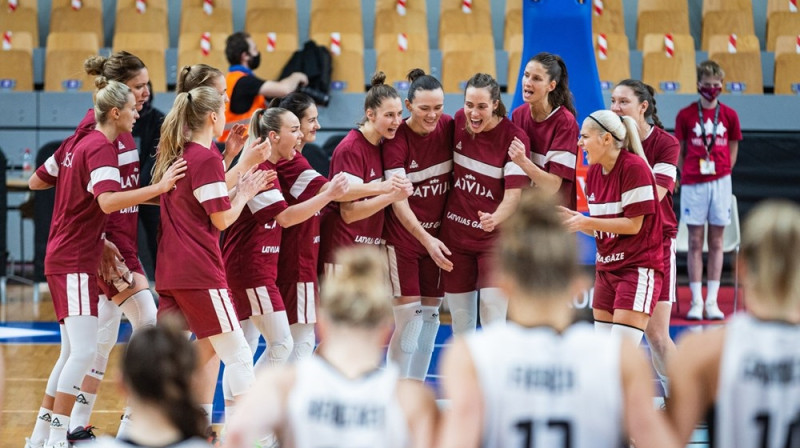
(485, 81)
(420, 81)
(644, 92)
(557, 71)
(296, 103)
(157, 367)
(235, 45)
(198, 75)
(378, 91)
(120, 66)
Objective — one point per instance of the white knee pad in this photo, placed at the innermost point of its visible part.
(251, 334)
(275, 328)
(82, 333)
(108, 318)
(304, 339)
(430, 327)
(464, 311)
(140, 309)
(52, 380)
(233, 350)
(408, 321)
(493, 306)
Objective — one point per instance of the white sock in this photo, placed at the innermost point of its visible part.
(493, 306)
(304, 341)
(84, 403)
(407, 327)
(463, 310)
(41, 430)
(697, 291)
(713, 291)
(124, 423)
(58, 429)
(603, 327)
(421, 359)
(140, 309)
(208, 409)
(631, 333)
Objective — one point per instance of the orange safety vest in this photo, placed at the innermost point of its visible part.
(231, 118)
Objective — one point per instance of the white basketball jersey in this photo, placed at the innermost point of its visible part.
(758, 396)
(328, 410)
(544, 389)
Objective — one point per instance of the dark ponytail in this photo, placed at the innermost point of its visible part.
(644, 92)
(557, 71)
(296, 103)
(157, 367)
(420, 81)
(485, 81)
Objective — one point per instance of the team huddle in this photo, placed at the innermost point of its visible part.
(477, 209)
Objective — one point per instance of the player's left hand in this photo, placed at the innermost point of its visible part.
(108, 261)
(235, 142)
(488, 222)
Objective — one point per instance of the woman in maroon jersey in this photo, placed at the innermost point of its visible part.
(190, 274)
(625, 221)
(487, 186)
(422, 152)
(358, 156)
(87, 176)
(548, 117)
(250, 246)
(635, 99)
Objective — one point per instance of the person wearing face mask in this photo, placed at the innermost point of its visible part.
(709, 134)
(246, 91)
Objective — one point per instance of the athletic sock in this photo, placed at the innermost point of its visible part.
(82, 411)
(41, 430)
(58, 429)
(713, 291)
(697, 291)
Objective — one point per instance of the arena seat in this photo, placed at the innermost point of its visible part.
(273, 60)
(661, 22)
(513, 27)
(390, 41)
(460, 61)
(153, 21)
(87, 19)
(610, 21)
(25, 18)
(676, 74)
(662, 5)
(55, 4)
(742, 71)
(781, 23)
(190, 52)
(348, 72)
(655, 43)
(456, 22)
(514, 43)
(390, 22)
(16, 64)
(514, 61)
(726, 22)
(396, 64)
(64, 59)
(347, 41)
(149, 47)
(317, 5)
(195, 20)
(456, 5)
(745, 6)
(411, 5)
(718, 43)
(613, 69)
(151, 4)
(787, 73)
(262, 20)
(216, 4)
(336, 20)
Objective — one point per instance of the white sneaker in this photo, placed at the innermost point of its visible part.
(713, 312)
(29, 444)
(59, 444)
(696, 311)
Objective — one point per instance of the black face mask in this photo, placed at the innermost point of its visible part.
(255, 61)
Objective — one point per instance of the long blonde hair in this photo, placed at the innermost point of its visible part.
(770, 244)
(188, 114)
(622, 128)
(357, 294)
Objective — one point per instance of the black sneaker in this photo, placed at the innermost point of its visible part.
(81, 434)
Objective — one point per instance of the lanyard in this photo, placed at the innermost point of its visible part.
(709, 145)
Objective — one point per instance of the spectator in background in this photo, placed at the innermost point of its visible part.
(246, 91)
(709, 134)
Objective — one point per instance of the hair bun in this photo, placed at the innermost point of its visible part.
(379, 78)
(100, 82)
(94, 65)
(414, 74)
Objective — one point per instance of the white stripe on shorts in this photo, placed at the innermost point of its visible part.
(260, 302)
(78, 295)
(394, 275)
(643, 297)
(220, 309)
(673, 271)
(226, 300)
(310, 303)
(301, 303)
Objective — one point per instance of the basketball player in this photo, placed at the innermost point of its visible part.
(625, 221)
(422, 152)
(250, 247)
(358, 156)
(86, 176)
(543, 380)
(157, 374)
(190, 274)
(487, 186)
(635, 99)
(743, 378)
(548, 118)
(342, 397)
